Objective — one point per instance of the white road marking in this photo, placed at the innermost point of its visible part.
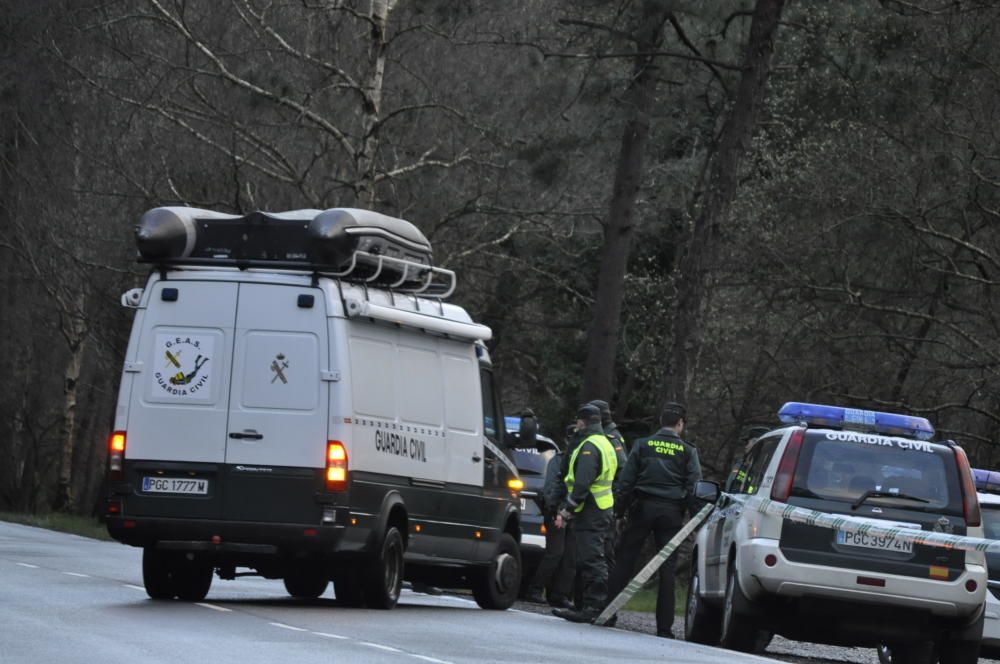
(85, 576)
(129, 585)
(28, 566)
(214, 607)
(332, 636)
(430, 659)
(379, 646)
(284, 626)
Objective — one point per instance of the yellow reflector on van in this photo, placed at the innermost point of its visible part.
(937, 572)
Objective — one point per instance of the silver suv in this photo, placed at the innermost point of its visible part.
(754, 573)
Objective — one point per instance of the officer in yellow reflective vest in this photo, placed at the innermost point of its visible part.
(589, 505)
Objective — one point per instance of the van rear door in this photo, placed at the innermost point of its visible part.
(178, 407)
(277, 435)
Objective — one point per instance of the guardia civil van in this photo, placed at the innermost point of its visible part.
(298, 401)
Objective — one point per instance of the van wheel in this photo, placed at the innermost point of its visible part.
(738, 632)
(306, 581)
(347, 588)
(383, 576)
(496, 587)
(912, 653)
(958, 652)
(192, 579)
(156, 576)
(701, 621)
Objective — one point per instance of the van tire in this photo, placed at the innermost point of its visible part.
(738, 632)
(156, 574)
(383, 575)
(702, 622)
(913, 653)
(958, 652)
(347, 588)
(306, 581)
(496, 586)
(192, 579)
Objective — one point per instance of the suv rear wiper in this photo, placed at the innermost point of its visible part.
(874, 493)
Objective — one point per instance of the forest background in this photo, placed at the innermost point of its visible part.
(732, 203)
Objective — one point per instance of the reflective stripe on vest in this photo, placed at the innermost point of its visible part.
(601, 487)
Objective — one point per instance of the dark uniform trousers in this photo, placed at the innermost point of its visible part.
(663, 518)
(553, 574)
(589, 530)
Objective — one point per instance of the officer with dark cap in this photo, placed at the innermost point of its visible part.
(618, 442)
(589, 505)
(659, 479)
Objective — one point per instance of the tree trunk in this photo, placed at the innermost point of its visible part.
(619, 228)
(702, 247)
(372, 106)
(65, 498)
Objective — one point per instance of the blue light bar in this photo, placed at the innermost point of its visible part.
(987, 481)
(892, 424)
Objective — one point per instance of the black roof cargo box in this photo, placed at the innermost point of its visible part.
(350, 243)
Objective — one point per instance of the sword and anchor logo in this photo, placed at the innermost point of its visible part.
(278, 366)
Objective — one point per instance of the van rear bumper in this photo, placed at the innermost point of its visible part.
(231, 537)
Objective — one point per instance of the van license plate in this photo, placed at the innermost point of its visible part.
(174, 485)
(874, 542)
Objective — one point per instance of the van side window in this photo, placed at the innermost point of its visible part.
(490, 417)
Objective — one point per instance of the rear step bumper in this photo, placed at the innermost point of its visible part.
(795, 579)
(231, 537)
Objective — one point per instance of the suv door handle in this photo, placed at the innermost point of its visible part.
(249, 434)
(476, 458)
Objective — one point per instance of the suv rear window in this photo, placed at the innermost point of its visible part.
(842, 465)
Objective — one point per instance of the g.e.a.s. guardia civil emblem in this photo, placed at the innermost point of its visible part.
(183, 364)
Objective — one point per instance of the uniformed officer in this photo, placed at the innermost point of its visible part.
(658, 479)
(552, 577)
(589, 507)
(618, 442)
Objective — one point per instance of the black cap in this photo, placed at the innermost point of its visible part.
(672, 413)
(605, 409)
(588, 412)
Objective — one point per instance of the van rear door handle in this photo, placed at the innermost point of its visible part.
(476, 458)
(249, 434)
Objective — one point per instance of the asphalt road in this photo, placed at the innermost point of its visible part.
(66, 599)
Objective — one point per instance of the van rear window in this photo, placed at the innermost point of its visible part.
(843, 466)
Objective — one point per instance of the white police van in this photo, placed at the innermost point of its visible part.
(754, 573)
(298, 400)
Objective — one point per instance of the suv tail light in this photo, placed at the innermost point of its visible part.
(970, 502)
(336, 466)
(116, 455)
(785, 476)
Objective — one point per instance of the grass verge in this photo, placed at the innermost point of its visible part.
(66, 523)
(645, 600)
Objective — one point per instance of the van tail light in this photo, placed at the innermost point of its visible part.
(116, 455)
(783, 480)
(970, 502)
(336, 466)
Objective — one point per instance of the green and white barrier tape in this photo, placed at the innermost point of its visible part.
(654, 564)
(865, 526)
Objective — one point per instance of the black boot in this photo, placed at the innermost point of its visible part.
(572, 615)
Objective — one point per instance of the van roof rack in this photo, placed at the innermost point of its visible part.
(343, 243)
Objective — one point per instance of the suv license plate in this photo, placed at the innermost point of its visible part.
(174, 485)
(874, 542)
